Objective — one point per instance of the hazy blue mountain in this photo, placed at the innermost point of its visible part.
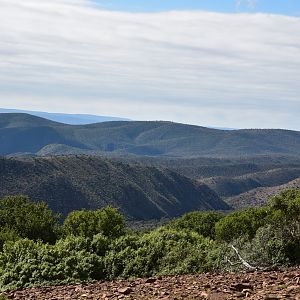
(72, 119)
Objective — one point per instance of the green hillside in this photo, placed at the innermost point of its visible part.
(70, 183)
(22, 133)
(204, 167)
(259, 196)
(227, 187)
(241, 182)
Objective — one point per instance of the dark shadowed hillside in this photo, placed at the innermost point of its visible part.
(22, 133)
(226, 186)
(241, 182)
(259, 196)
(69, 183)
(204, 167)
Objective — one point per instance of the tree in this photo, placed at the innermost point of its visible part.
(107, 221)
(241, 223)
(27, 219)
(285, 220)
(285, 208)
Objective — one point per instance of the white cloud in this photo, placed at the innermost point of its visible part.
(250, 3)
(233, 70)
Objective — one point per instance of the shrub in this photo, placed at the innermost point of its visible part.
(160, 252)
(241, 223)
(285, 221)
(107, 221)
(7, 234)
(201, 222)
(121, 252)
(96, 246)
(267, 247)
(100, 244)
(27, 263)
(27, 219)
(285, 209)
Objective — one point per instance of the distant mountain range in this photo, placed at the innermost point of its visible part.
(27, 134)
(140, 192)
(76, 119)
(71, 119)
(155, 169)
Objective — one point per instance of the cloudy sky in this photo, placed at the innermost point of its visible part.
(213, 63)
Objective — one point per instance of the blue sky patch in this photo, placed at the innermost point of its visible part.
(285, 7)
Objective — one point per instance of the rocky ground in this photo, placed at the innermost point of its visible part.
(283, 284)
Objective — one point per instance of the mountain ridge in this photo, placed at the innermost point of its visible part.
(23, 133)
(76, 182)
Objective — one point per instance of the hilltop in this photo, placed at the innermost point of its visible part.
(23, 133)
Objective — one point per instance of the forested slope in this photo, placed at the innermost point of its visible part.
(69, 183)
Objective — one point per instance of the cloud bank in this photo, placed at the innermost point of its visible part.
(232, 70)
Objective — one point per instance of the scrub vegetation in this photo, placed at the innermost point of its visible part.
(38, 248)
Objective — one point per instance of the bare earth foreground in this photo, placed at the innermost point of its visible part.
(283, 284)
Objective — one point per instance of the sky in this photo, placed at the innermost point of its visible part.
(286, 7)
(220, 63)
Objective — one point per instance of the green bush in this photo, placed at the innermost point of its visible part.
(100, 244)
(201, 222)
(107, 221)
(266, 236)
(95, 245)
(241, 223)
(160, 252)
(267, 248)
(7, 234)
(285, 209)
(27, 263)
(285, 221)
(121, 252)
(27, 219)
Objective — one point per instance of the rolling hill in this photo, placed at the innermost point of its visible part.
(23, 133)
(228, 187)
(259, 196)
(71, 183)
(241, 182)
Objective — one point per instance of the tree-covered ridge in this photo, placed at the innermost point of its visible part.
(241, 181)
(94, 245)
(72, 183)
(22, 133)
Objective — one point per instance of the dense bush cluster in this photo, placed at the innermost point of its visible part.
(36, 249)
